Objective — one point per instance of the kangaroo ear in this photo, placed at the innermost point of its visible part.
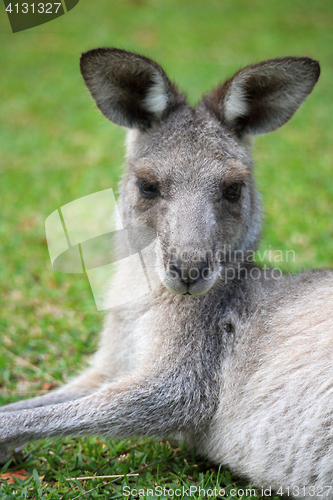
(262, 97)
(129, 89)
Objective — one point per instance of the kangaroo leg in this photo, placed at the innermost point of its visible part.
(84, 385)
(150, 406)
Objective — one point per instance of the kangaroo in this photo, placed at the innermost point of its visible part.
(234, 359)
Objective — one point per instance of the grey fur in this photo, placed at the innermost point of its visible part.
(242, 367)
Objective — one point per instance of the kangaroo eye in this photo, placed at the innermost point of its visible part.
(232, 192)
(148, 190)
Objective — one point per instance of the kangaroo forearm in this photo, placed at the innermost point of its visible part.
(45, 400)
(156, 409)
(87, 383)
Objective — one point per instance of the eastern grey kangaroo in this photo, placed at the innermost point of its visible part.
(237, 361)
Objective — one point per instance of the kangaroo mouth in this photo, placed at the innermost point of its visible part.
(179, 286)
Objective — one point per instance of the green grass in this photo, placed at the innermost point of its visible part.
(56, 147)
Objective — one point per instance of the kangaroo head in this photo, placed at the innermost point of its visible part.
(189, 174)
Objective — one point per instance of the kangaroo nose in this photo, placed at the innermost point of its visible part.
(189, 273)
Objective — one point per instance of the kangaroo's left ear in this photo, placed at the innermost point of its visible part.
(129, 89)
(262, 97)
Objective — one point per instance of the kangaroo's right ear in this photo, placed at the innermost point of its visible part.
(130, 90)
(262, 97)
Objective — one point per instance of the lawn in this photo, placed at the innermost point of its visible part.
(56, 147)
